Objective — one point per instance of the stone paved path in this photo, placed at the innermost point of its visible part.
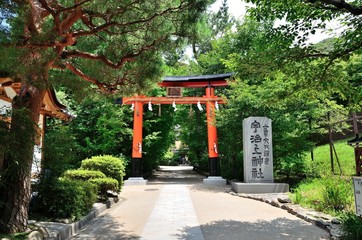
(176, 205)
(173, 211)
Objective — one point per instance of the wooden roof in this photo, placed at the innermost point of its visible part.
(213, 80)
(51, 106)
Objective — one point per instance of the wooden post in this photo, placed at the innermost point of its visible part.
(137, 139)
(311, 139)
(358, 157)
(214, 163)
(355, 125)
(330, 141)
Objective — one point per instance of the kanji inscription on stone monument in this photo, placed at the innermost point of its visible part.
(258, 153)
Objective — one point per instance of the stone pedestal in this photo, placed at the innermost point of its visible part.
(133, 181)
(215, 181)
(240, 187)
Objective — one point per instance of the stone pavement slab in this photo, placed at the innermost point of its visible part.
(172, 213)
(176, 205)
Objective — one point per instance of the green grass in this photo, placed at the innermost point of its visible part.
(323, 190)
(329, 194)
(322, 163)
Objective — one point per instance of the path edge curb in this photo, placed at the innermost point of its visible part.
(63, 231)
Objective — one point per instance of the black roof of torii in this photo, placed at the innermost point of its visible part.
(196, 81)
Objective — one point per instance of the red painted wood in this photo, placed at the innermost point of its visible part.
(211, 124)
(137, 130)
(166, 100)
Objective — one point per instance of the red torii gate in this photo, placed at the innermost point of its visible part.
(174, 85)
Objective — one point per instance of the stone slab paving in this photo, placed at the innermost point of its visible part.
(172, 213)
(176, 205)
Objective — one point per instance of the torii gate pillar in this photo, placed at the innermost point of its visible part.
(137, 140)
(136, 174)
(214, 163)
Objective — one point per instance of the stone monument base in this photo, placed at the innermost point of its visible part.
(133, 181)
(215, 181)
(240, 187)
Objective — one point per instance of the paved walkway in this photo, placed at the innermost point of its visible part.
(176, 205)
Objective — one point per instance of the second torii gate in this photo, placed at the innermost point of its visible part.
(174, 87)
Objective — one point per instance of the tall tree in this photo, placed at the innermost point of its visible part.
(114, 45)
(210, 27)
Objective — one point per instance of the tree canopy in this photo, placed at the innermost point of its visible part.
(111, 46)
(299, 19)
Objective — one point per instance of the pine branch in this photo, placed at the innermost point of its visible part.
(107, 25)
(85, 77)
(115, 65)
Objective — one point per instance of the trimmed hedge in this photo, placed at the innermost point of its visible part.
(105, 184)
(112, 167)
(83, 174)
(66, 198)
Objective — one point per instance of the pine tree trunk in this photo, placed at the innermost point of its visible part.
(15, 191)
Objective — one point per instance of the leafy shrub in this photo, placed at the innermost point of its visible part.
(327, 194)
(104, 184)
(337, 193)
(83, 174)
(112, 167)
(297, 196)
(351, 226)
(59, 144)
(66, 198)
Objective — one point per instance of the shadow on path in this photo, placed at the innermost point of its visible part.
(280, 228)
(105, 228)
(175, 175)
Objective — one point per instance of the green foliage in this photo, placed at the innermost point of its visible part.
(15, 236)
(82, 174)
(301, 19)
(289, 117)
(351, 226)
(60, 150)
(168, 159)
(330, 194)
(322, 165)
(102, 128)
(337, 194)
(140, 32)
(158, 132)
(15, 137)
(112, 167)
(66, 198)
(354, 69)
(118, 50)
(105, 184)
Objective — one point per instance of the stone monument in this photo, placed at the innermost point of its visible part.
(258, 158)
(258, 150)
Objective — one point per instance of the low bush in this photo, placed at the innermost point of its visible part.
(112, 167)
(337, 193)
(83, 174)
(328, 194)
(351, 226)
(66, 198)
(105, 184)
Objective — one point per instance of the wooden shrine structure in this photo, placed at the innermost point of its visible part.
(174, 96)
(51, 107)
